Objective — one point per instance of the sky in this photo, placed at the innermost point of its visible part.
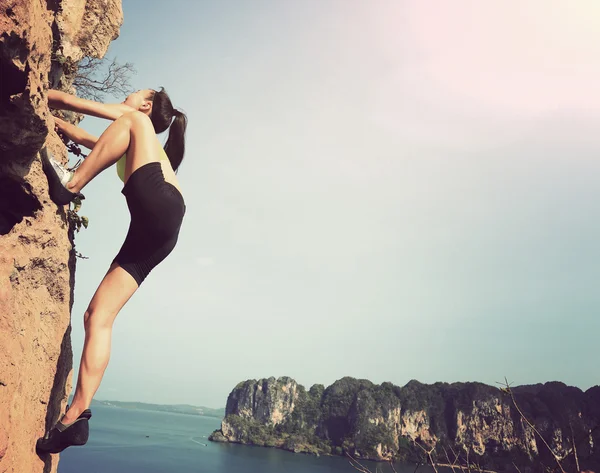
(389, 190)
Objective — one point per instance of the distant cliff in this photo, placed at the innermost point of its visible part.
(41, 43)
(383, 422)
(173, 408)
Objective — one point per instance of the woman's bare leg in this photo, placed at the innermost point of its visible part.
(133, 134)
(114, 291)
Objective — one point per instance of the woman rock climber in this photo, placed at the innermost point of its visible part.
(156, 206)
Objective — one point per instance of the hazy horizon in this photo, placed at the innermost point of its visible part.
(390, 190)
(499, 384)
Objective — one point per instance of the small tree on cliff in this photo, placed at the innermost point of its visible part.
(95, 78)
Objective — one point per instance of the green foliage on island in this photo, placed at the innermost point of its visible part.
(384, 422)
(250, 431)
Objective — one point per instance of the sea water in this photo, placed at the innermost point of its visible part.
(137, 441)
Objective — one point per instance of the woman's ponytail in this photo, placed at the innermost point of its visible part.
(162, 117)
(175, 145)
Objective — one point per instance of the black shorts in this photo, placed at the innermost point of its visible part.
(157, 209)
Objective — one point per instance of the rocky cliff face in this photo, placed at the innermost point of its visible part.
(40, 45)
(384, 422)
(267, 401)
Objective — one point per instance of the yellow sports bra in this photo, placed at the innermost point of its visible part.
(121, 164)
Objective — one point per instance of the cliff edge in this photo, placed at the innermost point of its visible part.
(41, 43)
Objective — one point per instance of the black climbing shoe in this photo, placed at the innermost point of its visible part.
(62, 436)
(58, 177)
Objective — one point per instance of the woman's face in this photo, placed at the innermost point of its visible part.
(140, 100)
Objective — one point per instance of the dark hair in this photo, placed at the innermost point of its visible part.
(162, 117)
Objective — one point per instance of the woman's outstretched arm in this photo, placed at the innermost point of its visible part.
(63, 101)
(76, 134)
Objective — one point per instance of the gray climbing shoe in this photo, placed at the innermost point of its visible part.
(58, 178)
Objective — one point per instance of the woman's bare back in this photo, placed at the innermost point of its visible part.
(169, 174)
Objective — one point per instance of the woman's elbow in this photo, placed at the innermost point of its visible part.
(57, 99)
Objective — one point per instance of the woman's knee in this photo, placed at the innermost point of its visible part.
(136, 120)
(94, 319)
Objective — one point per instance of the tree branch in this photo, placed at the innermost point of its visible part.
(96, 78)
(512, 397)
